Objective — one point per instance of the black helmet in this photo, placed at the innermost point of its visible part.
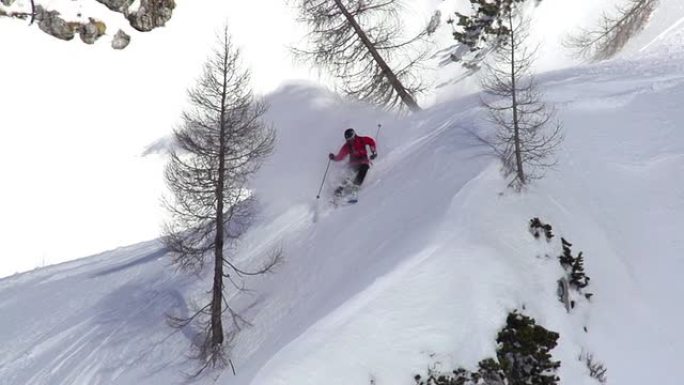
(349, 133)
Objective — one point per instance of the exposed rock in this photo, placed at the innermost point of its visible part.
(92, 31)
(151, 14)
(51, 23)
(121, 40)
(117, 5)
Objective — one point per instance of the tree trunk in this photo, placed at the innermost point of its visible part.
(217, 289)
(516, 128)
(406, 98)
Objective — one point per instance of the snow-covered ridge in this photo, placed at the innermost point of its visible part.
(422, 271)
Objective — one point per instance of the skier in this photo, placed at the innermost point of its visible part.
(355, 147)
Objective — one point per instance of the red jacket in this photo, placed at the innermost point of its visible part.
(356, 149)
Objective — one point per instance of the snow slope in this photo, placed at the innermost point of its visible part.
(423, 270)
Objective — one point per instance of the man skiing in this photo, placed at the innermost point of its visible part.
(355, 147)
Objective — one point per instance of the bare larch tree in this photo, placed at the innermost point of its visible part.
(359, 43)
(522, 141)
(613, 30)
(221, 142)
(526, 136)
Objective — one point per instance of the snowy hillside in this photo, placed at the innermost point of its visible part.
(420, 274)
(423, 270)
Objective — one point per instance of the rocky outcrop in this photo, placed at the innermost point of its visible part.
(117, 5)
(92, 30)
(151, 14)
(51, 23)
(121, 40)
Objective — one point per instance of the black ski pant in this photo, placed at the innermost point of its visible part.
(361, 171)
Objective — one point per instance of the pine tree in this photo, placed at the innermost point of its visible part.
(537, 227)
(489, 372)
(484, 30)
(524, 352)
(523, 358)
(574, 265)
(487, 24)
(566, 259)
(578, 278)
(575, 276)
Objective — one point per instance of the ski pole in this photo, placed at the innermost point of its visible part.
(377, 133)
(323, 182)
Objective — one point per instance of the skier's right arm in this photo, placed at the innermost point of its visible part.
(340, 155)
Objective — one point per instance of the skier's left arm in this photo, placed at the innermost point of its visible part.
(368, 141)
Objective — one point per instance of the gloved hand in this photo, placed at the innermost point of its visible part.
(373, 156)
(331, 156)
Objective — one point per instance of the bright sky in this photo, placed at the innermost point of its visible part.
(76, 118)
